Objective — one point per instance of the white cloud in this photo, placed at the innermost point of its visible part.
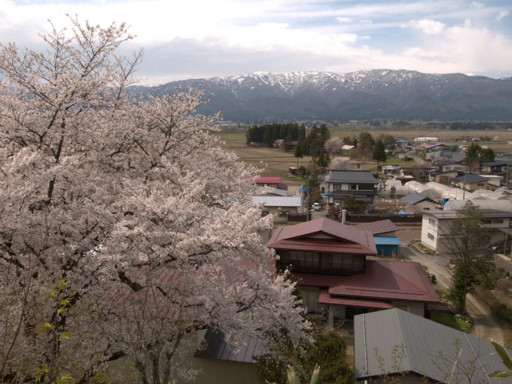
(502, 14)
(430, 27)
(344, 19)
(195, 37)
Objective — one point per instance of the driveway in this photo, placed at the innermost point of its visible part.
(484, 325)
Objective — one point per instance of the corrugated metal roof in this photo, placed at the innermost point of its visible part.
(341, 238)
(486, 213)
(350, 176)
(414, 198)
(278, 201)
(430, 349)
(214, 346)
(279, 192)
(469, 178)
(379, 227)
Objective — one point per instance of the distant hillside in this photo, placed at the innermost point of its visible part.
(332, 97)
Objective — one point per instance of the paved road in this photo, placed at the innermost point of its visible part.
(484, 325)
(504, 262)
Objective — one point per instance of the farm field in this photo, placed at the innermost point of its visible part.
(273, 161)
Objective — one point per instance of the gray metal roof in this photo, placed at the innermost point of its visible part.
(429, 349)
(486, 213)
(351, 176)
(468, 178)
(278, 201)
(214, 346)
(414, 198)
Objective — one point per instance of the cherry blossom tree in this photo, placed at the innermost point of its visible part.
(340, 163)
(334, 146)
(126, 226)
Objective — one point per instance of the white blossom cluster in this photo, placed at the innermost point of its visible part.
(124, 226)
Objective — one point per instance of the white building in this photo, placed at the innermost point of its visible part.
(435, 226)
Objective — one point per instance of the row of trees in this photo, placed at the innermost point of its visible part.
(313, 144)
(125, 225)
(269, 133)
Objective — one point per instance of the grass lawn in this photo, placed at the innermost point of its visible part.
(450, 320)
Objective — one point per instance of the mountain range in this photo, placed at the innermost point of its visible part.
(364, 95)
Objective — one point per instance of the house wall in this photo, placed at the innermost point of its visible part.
(432, 230)
(426, 205)
(276, 212)
(310, 298)
(429, 231)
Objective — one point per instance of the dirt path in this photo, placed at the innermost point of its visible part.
(484, 325)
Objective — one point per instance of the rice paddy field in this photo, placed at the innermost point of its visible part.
(274, 161)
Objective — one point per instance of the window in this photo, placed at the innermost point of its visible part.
(431, 221)
(336, 187)
(430, 236)
(353, 187)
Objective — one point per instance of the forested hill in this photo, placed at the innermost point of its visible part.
(363, 95)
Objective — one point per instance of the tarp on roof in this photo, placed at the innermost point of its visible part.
(386, 240)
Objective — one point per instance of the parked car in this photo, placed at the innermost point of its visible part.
(316, 206)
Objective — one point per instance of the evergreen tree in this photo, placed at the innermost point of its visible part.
(298, 152)
(466, 242)
(379, 153)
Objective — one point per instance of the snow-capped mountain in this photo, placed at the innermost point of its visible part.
(391, 94)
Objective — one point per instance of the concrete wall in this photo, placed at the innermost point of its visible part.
(223, 372)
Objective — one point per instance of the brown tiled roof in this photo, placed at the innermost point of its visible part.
(325, 298)
(268, 180)
(378, 227)
(339, 238)
(382, 280)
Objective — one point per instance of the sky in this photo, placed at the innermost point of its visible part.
(208, 38)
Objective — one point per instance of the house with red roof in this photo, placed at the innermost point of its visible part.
(335, 276)
(271, 181)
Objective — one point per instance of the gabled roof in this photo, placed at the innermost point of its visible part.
(468, 178)
(323, 235)
(278, 201)
(486, 213)
(415, 198)
(215, 346)
(277, 192)
(268, 180)
(382, 280)
(378, 227)
(430, 350)
(495, 163)
(350, 176)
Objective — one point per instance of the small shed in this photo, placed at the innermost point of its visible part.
(387, 245)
